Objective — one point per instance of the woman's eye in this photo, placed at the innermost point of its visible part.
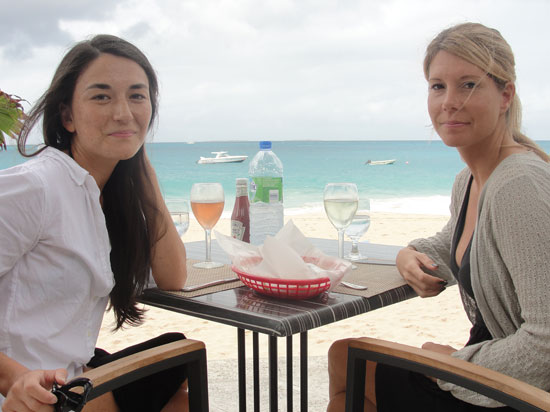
(100, 97)
(138, 96)
(470, 85)
(436, 86)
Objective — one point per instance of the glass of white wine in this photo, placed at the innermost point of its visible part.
(358, 227)
(207, 201)
(340, 201)
(179, 211)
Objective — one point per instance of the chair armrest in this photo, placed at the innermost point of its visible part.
(451, 369)
(122, 371)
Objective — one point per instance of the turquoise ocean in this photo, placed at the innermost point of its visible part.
(419, 181)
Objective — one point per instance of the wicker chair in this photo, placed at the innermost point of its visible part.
(509, 391)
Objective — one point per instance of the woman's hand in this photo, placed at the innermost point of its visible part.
(410, 263)
(31, 391)
(436, 347)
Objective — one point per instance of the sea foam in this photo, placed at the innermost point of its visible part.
(427, 205)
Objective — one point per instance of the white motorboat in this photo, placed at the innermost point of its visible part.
(380, 162)
(222, 157)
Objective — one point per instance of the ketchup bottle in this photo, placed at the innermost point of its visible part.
(240, 218)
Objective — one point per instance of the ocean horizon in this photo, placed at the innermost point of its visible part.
(418, 182)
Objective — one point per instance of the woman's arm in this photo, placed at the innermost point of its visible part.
(25, 389)
(424, 263)
(412, 265)
(9, 371)
(168, 254)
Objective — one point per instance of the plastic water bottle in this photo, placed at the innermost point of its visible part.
(266, 194)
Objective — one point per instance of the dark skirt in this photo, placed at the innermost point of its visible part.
(401, 390)
(150, 393)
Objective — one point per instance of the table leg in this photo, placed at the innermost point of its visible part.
(303, 371)
(256, 369)
(273, 396)
(289, 379)
(242, 369)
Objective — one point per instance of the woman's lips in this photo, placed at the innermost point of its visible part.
(453, 124)
(122, 133)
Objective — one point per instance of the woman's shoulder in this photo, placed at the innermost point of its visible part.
(24, 176)
(24, 194)
(520, 168)
(41, 176)
(53, 167)
(522, 175)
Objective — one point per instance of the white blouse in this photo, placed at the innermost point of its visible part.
(55, 272)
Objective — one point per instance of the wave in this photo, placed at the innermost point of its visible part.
(427, 205)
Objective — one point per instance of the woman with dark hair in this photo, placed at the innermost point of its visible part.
(496, 245)
(87, 226)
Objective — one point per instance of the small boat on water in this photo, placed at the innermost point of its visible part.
(380, 162)
(221, 157)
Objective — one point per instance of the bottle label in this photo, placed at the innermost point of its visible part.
(266, 189)
(241, 191)
(237, 229)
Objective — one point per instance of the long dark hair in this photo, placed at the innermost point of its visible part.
(128, 196)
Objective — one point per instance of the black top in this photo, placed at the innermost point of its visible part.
(479, 331)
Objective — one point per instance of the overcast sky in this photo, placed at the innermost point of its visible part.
(280, 69)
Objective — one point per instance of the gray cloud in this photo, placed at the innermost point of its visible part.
(241, 69)
(28, 24)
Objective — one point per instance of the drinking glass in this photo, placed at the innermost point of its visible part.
(357, 228)
(179, 211)
(180, 217)
(207, 200)
(340, 201)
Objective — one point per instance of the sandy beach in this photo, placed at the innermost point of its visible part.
(440, 319)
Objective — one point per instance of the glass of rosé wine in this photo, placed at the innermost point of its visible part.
(207, 201)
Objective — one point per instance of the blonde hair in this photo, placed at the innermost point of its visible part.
(485, 48)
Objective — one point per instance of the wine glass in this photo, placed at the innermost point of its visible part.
(180, 215)
(340, 201)
(357, 228)
(207, 201)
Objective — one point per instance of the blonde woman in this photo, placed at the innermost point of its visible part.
(496, 245)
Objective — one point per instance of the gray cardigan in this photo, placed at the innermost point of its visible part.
(510, 262)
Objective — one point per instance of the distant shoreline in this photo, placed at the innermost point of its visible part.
(429, 205)
(154, 140)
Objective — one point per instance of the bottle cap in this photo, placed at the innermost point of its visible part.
(265, 144)
(242, 181)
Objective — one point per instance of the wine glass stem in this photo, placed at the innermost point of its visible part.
(354, 247)
(208, 246)
(341, 243)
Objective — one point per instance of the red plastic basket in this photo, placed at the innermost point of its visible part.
(284, 288)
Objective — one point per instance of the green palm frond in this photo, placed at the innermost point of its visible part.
(11, 116)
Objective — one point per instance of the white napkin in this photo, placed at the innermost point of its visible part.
(288, 255)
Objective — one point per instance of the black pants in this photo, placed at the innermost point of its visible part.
(401, 390)
(153, 392)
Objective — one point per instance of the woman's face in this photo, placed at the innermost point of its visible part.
(110, 111)
(465, 105)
